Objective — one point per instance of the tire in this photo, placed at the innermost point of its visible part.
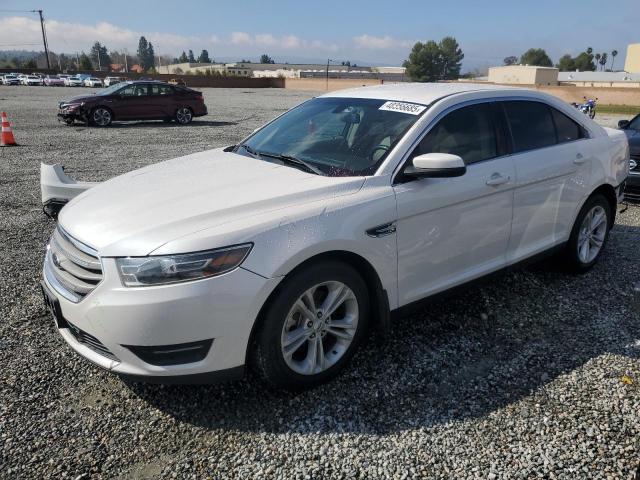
(282, 352)
(101, 117)
(589, 235)
(68, 121)
(183, 115)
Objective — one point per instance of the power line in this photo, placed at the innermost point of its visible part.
(18, 44)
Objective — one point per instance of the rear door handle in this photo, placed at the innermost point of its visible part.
(579, 159)
(497, 179)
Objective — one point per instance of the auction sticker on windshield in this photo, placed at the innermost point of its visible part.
(410, 108)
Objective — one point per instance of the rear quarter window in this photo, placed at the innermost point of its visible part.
(531, 125)
(568, 130)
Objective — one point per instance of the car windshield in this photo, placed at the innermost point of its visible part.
(335, 136)
(110, 90)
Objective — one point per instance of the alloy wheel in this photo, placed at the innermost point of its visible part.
(183, 115)
(319, 328)
(102, 117)
(592, 234)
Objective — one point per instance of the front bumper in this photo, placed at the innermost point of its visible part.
(222, 309)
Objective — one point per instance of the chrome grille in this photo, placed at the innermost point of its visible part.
(72, 268)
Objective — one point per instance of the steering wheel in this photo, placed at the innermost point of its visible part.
(384, 148)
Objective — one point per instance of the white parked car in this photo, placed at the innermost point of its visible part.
(10, 79)
(32, 80)
(108, 81)
(283, 251)
(92, 82)
(73, 82)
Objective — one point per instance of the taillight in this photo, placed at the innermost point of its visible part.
(200, 98)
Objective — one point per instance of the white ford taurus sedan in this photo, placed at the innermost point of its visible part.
(280, 253)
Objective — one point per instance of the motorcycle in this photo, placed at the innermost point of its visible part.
(588, 107)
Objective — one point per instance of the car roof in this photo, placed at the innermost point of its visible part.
(424, 93)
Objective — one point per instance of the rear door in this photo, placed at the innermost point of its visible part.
(552, 157)
(162, 101)
(451, 230)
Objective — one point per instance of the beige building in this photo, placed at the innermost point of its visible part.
(523, 75)
(632, 62)
(227, 69)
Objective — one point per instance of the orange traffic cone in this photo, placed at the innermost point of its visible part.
(7, 139)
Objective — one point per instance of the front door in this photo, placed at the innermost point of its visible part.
(451, 230)
(132, 102)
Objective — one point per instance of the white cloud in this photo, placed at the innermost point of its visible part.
(380, 43)
(241, 38)
(71, 37)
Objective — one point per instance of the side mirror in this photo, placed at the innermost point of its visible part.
(436, 165)
(623, 124)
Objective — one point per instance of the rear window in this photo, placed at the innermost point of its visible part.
(531, 125)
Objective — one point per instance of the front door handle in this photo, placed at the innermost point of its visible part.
(497, 179)
(579, 159)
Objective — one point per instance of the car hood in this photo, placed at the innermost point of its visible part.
(136, 213)
(80, 99)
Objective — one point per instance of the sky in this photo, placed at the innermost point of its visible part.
(367, 32)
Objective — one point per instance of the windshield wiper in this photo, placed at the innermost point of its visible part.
(287, 159)
(294, 161)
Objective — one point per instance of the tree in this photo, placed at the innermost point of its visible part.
(566, 63)
(536, 56)
(431, 61)
(451, 57)
(85, 62)
(614, 53)
(603, 60)
(99, 56)
(510, 60)
(589, 50)
(424, 62)
(183, 58)
(191, 58)
(204, 57)
(146, 55)
(264, 58)
(584, 62)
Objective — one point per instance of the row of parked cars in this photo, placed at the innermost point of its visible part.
(62, 80)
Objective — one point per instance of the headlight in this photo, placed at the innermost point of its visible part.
(160, 270)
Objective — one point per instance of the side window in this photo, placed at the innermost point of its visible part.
(467, 132)
(161, 90)
(133, 90)
(531, 125)
(567, 129)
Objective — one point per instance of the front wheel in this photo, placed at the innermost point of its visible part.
(589, 235)
(101, 117)
(184, 115)
(313, 326)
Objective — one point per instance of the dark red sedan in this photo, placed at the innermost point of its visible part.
(135, 100)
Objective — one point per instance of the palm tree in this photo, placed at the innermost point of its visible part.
(603, 60)
(589, 51)
(597, 57)
(613, 58)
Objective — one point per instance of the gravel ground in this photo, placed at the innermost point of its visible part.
(535, 374)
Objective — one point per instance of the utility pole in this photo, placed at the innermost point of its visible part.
(44, 38)
(328, 60)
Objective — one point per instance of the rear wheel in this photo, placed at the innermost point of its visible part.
(313, 326)
(589, 235)
(184, 115)
(101, 117)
